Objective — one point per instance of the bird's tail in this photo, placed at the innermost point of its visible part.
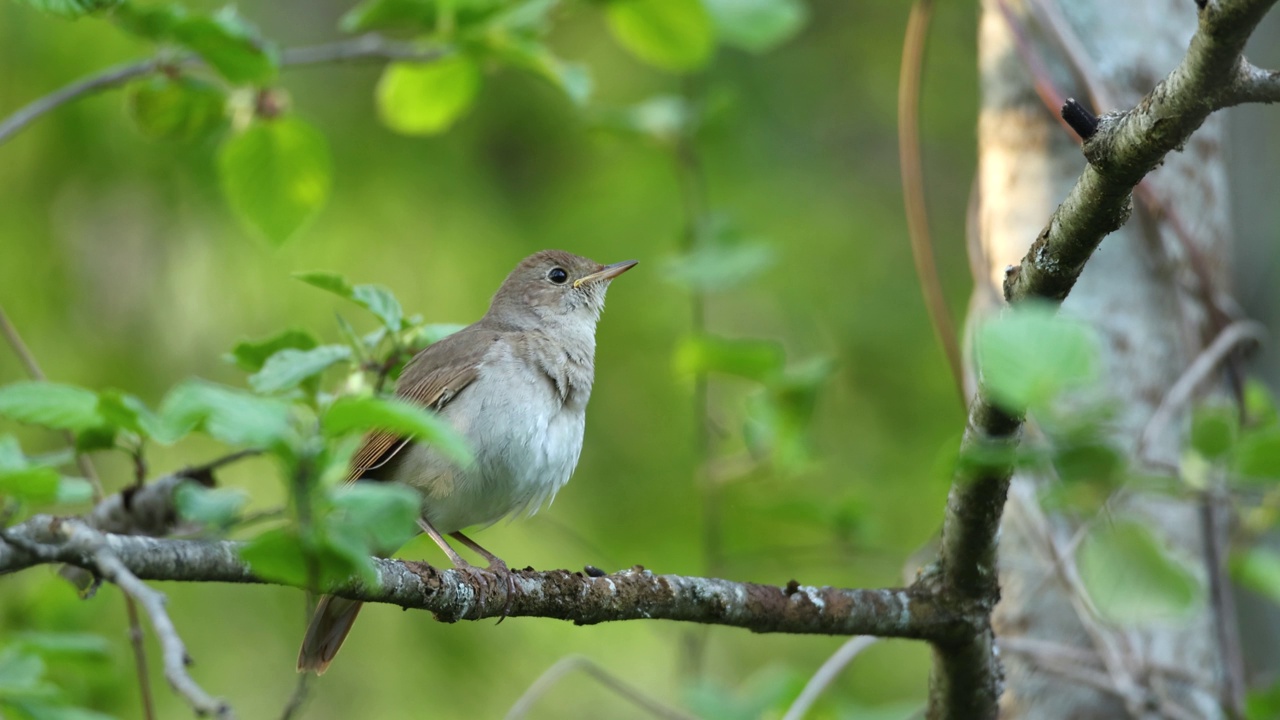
(329, 626)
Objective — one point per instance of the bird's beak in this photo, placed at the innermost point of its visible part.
(608, 272)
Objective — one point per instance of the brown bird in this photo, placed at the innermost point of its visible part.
(515, 385)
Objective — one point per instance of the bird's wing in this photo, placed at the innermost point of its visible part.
(432, 379)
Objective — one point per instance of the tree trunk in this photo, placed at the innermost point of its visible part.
(1148, 293)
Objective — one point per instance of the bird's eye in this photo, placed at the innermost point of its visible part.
(558, 276)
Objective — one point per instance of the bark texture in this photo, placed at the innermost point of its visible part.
(1146, 291)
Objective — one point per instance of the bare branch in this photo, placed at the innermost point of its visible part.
(913, 195)
(93, 549)
(452, 595)
(366, 47)
(1255, 85)
(826, 675)
(572, 663)
(1126, 146)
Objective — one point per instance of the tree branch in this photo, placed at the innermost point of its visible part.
(94, 553)
(365, 47)
(452, 595)
(1213, 75)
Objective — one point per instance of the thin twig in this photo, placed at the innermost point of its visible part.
(827, 674)
(913, 195)
(1196, 373)
(572, 663)
(1214, 528)
(92, 543)
(298, 697)
(365, 47)
(139, 657)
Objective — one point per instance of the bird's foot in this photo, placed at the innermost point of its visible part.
(499, 568)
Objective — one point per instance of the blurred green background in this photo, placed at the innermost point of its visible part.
(123, 267)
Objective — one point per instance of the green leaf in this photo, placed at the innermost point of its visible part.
(1257, 455)
(290, 367)
(427, 98)
(231, 45)
(1214, 429)
(712, 267)
(673, 35)
(94, 439)
(40, 711)
(418, 16)
(385, 515)
(20, 672)
(1263, 703)
(1132, 578)
(70, 8)
(332, 282)
(126, 412)
(62, 407)
(1030, 354)
(216, 507)
(757, 25)
(251, 355)
(1089, 461)
(276, 175)
(572, 78)
(661, 119)
(375, 298)
(38, 485)
(283, 556)
(751, 359)
(182, 108)
(398, 416)
(73, 491)
(232, 416)
(1258, 569)
(434, 333)
(1259, 406)
(11, 457)
(156, 22)
(379, 301)
(63, 644)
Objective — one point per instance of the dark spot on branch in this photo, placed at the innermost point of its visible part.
(1084, 122)
(592, 571)
(792, 588)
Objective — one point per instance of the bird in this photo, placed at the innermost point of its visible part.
(515, 384)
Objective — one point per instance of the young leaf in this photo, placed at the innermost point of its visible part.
(418, 16)
(61, 407)
(71, 8)
(573, 78)
(282, 555)
(333, 282)
(232, 416)
(712, 267)
(251, 355)
(661, 119)
(1257, 455)
(757, 25)
(1132, 578)
(73, 491)
(379, 301)
(1214, 429)
(276, 176)
(63, 644)
(394, 415)
(1258, 569)
(289, 368)
(182, 108)
(1030, 354)
(126, 412)
(36, 485)
(427, 98)
(231, 45)
(385, 515)
(751, 359)
(155, 22)
(674, 35)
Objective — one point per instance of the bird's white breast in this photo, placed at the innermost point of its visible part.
(526, 435)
